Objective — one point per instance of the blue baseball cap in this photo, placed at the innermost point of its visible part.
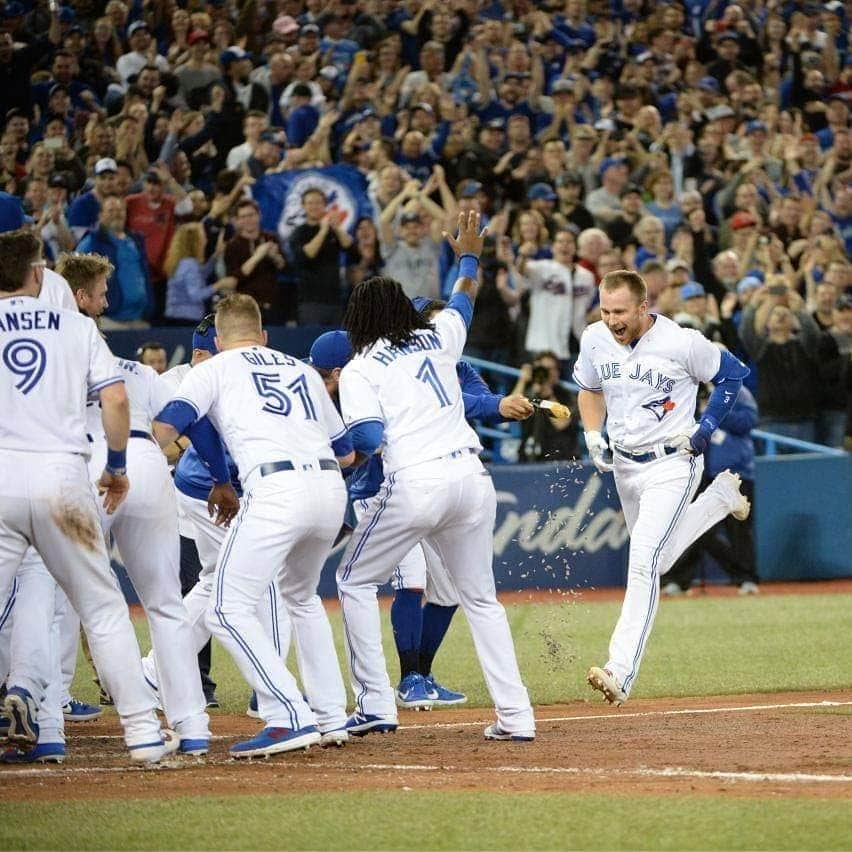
(204, 335)
(709, 84)
(542, 191)
(12, 214)
(750, 282)
(331, 350)
(756, 126)
(608, 163)
(691, 290)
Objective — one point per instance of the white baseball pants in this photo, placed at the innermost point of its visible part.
(420, 568)
(284, 531)
(656, 498)
(46, 500)
(451, 504)
(145, 531)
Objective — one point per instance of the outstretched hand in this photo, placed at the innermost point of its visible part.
(469, 239)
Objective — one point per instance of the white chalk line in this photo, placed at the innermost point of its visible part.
(596, 772)
(615, 714)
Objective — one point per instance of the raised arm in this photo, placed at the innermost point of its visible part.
(467, 246)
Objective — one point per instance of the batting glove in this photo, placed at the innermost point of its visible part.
(597, 445)
(693, 443)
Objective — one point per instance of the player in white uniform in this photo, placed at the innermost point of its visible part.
(641, 372)
(283, 433)
(54, 359)
(401, 389)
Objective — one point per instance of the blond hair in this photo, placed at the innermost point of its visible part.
(81, 271)
(633, 281)
(238, 318)
(188, 241)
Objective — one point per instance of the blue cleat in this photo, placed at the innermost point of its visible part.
(22, 711)
(275, 740)
(252, 710)
(197, 747)
(42, 753)
(78, 711)
(361, 724)
(413, 693)
(446, 696)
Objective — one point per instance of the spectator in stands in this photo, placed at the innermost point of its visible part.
(604, 203)
(84, 214)
(131, 63)
(364, 256)
(129, 293)
(254, 258)
(153, 354)
(782, 340)
(188, 290)
(316, 246)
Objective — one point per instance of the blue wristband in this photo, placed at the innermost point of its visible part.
(116, 460)
(468, 266)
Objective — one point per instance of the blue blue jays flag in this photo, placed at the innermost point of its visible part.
(280, 196)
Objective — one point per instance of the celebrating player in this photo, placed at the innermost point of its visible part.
(401, 389)
(640, 372)
(54, 359)
(282, 430)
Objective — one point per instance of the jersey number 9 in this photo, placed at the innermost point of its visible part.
(26, 359)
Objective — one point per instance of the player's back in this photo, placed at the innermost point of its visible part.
(52, 360)
(56, 291)
(266, 405)
(417, 391)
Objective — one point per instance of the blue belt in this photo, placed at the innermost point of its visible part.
(138, 433)
(274, 467)
(646, 457)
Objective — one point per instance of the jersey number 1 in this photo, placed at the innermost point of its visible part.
(277, 401)
(428, 375)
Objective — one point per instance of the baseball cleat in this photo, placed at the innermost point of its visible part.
(21, 709)
(495, 732)
(672, 590)
(78, 711)
(42, 753)
(155, 751)
(211, 700)
(252, 711)
(338, 737)
(604, 681)
(413, 693)
(361, 724)
(446, 697)
(748, 588)
(275, 740)
(741, 507)
(195, 747)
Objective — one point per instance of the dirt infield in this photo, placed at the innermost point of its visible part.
(790, 745)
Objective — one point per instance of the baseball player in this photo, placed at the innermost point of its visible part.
(418, 630)
(279, 614)
(401, 390)
(54, 359)
(45, 637)
(640, 372)
(283, 432)
(145, 530)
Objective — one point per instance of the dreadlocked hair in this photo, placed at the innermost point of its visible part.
(378, 309)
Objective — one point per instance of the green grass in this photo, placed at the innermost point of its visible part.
(432, 820)
(700, 646)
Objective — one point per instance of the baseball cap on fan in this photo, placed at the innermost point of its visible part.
(331, 350)
(106, 165)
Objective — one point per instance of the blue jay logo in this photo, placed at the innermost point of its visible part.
(660, 407)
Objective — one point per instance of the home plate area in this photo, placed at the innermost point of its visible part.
(792, 744)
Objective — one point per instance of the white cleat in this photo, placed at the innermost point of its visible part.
(748, 588)
(740, 507)
(604, 681)
(154, 752)
(338, 738)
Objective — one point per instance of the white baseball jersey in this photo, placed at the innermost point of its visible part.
(146, 394)
(650, 388)
(56, 291)
(52, 360)
(266, 406)
(172, 378)
(414, 391)
(559, 301)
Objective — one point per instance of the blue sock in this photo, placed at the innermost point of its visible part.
(407, 622)
(436, 622)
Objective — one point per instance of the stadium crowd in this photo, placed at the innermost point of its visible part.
(706, 145)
